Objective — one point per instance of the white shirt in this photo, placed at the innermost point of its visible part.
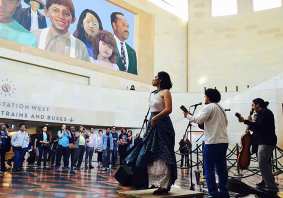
(125, 49)
(20, 140)
(215, 124)
(34, 20)
(92, 140)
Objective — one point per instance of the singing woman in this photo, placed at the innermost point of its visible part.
(156, 151)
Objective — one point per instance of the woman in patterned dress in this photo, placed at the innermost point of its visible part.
(156, 151)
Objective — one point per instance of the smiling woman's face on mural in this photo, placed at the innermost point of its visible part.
(90, 24)
(60, 17)
(7, 9)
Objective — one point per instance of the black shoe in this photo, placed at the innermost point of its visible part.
(261, 184)
(9, 163)
(160, 192)
(18, 169)
(91, 167)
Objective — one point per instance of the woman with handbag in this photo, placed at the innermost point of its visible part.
(43, 138)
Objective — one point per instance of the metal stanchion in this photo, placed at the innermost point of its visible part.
(203, 173)
(197, 158)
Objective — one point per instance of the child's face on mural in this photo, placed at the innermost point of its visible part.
(60, 17)
(105, 50)
(90, 24)
(7, 9)
(34, 5)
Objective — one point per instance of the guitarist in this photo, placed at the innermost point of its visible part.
(266, 137)
(216, 142)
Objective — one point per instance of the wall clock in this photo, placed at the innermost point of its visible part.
(8, 88)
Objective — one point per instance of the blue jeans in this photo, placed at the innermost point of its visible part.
(19, 155)
(214, 156)
(44, 150)
(106, 157)
(114, 156)
(88, 155)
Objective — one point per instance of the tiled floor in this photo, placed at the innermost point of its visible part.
(34, 182)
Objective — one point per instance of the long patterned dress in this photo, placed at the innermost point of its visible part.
(156, 151)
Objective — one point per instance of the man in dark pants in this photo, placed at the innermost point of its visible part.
(53, 152)
(115, 145)
(107, 146)
(265, 130)
(72, 151)
(80, 148)
(63, 147)
(216, 142)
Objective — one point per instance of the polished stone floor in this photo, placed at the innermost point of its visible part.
(37, 182)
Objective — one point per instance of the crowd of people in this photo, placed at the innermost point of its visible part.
(67, 146)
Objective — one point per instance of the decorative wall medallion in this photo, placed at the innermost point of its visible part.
(8, 88)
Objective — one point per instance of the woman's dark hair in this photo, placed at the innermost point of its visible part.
(261, 102)
(107, 38)
(100, 131)
(129, 131)
(21, 125)
(165, 83)
(123, 129)
(213, 95)
(80, 32)
(138, 136)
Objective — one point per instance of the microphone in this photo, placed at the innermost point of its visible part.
(227, 109)
(195, 105)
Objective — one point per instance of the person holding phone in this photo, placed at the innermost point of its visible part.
(216, 142)
(43, 138)
(63, 147)
(80, 146)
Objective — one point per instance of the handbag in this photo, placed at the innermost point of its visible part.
(71, 146)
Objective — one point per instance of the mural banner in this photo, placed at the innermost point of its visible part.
(95, 31)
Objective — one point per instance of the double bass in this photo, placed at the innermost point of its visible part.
(244, 157)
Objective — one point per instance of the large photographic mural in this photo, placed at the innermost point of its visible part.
(91, 30)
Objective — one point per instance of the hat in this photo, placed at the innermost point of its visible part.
(41, 4)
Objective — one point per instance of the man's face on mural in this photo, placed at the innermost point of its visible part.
(90, 24)
(121, 28)
(60, 17)
(7, 9)
(34, 5)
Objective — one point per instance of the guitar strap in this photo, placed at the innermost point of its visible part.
(221, 109)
